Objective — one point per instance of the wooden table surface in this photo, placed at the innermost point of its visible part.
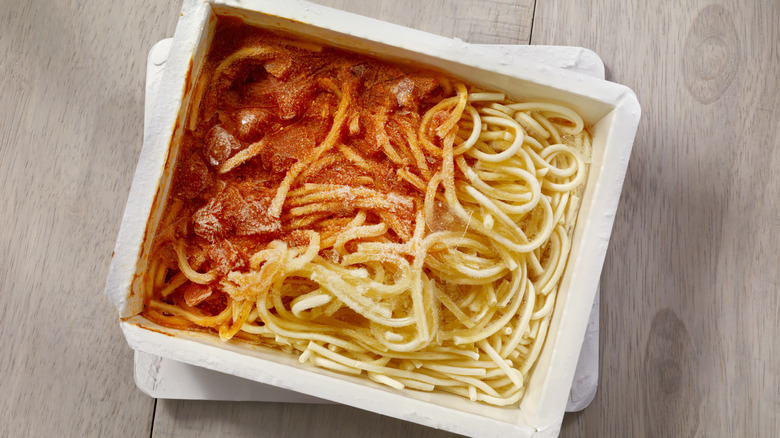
(689, 305)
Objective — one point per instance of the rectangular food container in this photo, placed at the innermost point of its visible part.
(611, 110)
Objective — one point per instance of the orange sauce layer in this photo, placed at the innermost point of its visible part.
(284, 97)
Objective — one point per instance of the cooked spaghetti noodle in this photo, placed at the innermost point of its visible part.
(369, 218)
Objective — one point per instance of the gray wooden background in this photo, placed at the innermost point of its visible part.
(689, 305)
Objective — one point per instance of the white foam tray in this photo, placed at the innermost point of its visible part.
(611, 110)
(168, 379)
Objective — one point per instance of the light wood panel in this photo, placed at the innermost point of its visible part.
(71, 106)
(478, 22)
(690, 308)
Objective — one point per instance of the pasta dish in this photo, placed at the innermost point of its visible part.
(369, 217)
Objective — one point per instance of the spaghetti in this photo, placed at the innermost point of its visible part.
(372, 219)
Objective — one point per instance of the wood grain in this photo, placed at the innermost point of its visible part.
(690, 308)
(71, 102)
(478, 22)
